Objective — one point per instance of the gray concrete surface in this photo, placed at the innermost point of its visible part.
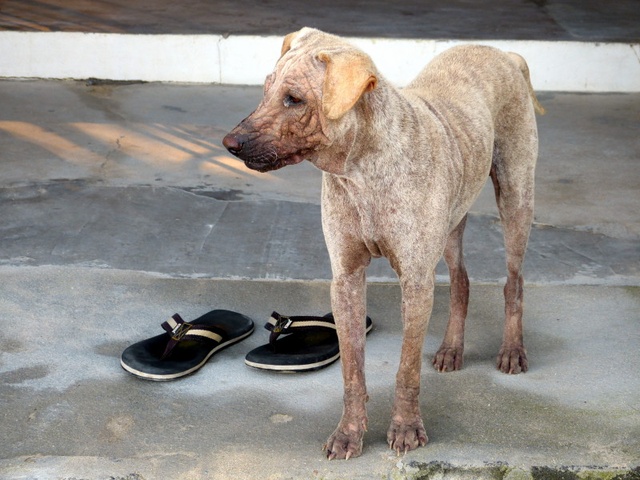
(103, 159)
(69, 411)
(119, 207)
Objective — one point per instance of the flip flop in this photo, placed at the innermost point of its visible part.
(185, 347)
(311, 343)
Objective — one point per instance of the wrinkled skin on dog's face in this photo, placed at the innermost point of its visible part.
(288, 126)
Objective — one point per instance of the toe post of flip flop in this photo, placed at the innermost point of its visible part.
(185, 346)
(298, 344)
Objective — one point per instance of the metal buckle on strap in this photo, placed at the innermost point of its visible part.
(180, 330)
(282, 323)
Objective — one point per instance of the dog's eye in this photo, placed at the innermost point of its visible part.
(292, 101)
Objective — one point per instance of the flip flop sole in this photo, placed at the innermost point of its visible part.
(302, 354)
(144, 359)
(307, 367)
(172, 376)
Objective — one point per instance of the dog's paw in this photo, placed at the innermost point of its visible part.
(512, 360)
(405, 437)
(344, 445)
(448, 359)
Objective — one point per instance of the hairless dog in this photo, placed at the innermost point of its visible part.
(401, 169)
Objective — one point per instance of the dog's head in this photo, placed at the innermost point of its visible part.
(318, 79)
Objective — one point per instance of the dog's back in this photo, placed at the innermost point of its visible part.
(467, 76)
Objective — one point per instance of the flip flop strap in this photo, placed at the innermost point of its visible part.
(284, 325)
(181, 330)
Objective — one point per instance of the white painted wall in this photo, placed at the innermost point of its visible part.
(246, 60)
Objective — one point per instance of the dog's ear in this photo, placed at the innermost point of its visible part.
(349, 74)
(286, 44)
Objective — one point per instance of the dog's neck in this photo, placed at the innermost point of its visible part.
(363, 153)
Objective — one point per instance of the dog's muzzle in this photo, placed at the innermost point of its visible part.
(262, 160)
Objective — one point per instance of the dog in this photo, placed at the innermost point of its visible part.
(401, 168)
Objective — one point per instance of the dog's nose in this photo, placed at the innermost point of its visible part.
(234, 143)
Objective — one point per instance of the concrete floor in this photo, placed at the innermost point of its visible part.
(103, 158)
(119, 207)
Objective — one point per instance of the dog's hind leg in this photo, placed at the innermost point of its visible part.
(449, 356)
(512, 174)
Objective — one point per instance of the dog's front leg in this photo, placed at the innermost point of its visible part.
(407, 429)
(349, 309)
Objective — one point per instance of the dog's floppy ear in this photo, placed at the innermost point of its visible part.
(349, 74)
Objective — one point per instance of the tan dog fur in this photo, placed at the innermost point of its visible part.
(401, 170)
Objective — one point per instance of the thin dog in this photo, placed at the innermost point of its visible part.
(401, 169)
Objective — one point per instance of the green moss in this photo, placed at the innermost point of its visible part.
(443, 470)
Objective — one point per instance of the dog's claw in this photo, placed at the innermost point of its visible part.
(448, 359)
(512, 360)
(331, 455)
(406, 437)
(345, 443)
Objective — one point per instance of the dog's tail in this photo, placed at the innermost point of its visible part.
(524, 68)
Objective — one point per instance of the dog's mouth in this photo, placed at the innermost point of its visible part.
(262, 159)
(274, 164)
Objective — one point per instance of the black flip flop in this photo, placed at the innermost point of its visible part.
(311, 343)
(185, 347)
